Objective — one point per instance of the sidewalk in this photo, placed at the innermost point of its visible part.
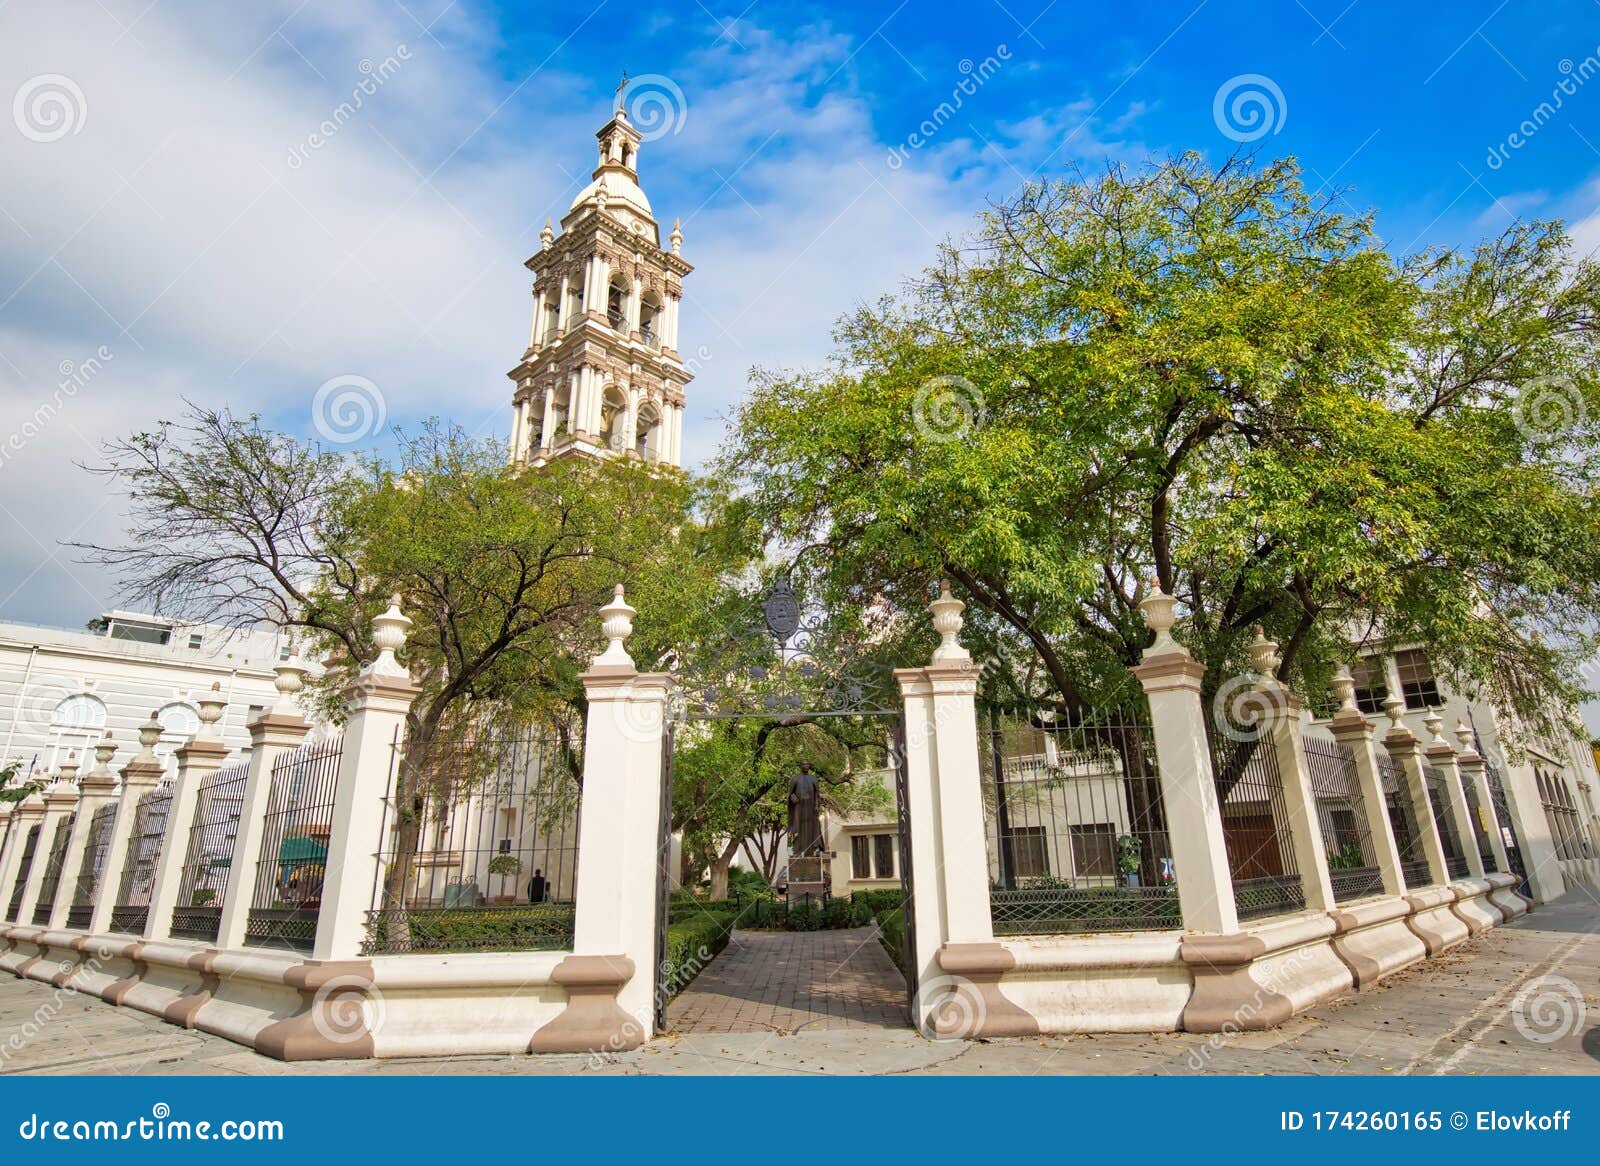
(1454, 1015)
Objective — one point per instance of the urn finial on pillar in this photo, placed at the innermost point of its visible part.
(1344, 689)
(1264, 653)
(389, 632)
(947, 622)
(1464, 736)
(616, 620)
(288, 677)
(676, 238)
(104, 750)
(547, 237)
(1395, 709)
(1159, 618)
(149, 736)
(1433, 722)
(211, 706)
(69, 770)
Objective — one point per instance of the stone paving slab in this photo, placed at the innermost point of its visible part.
(1454, 1015)
(794, 981)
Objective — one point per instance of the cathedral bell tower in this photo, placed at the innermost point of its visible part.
(601, 375)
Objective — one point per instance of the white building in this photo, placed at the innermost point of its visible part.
(61, 689)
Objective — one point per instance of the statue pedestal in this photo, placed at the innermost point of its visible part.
(807, 877)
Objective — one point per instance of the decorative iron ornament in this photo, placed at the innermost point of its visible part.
(785, 660)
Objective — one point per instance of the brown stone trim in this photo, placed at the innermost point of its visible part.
(592, 1021)
(21, 970)
(183, 1010)
(1169, 664)
(1432, 940)
(330, 1024)
(1351, 724)
(1473, 926)
(977, 1007)
(69, 968)
(117, 991)
(1364, 970)
(1225, 998)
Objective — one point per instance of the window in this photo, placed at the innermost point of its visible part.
(872, 856)
(861, 856)
(1371, 688)
(139, 633)
(194, 639)
(285, 650)
(1094, 850)
(883, 855)
(1417, 684)
(1029, 858)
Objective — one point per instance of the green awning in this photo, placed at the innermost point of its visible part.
(301, 850)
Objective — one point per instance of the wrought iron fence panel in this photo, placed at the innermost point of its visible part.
(91, 870)
(1455, 860)
(1255, 821)
(1508, 825)
(30, 847)
(51, 883)
(1075, 825)
(1342, 817)
(132, 909)
(480, 848)
(1480, 834)
(287, 896)
(208, 861)
(1403, 821)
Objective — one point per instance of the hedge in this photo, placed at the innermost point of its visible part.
(892, 932)
(531, 928)
(691, 945)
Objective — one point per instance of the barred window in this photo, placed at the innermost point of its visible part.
(1094, 850)
(1029, 859)
(1417, 683)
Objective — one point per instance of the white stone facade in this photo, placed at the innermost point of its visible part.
(61, 689)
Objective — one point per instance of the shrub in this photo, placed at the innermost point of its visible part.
(892, 932)
(531, 928)
(691, 945)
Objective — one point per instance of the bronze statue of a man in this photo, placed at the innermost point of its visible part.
(805, 818)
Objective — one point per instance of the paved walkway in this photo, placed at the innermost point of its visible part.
(794, 981)
(1456, 1015)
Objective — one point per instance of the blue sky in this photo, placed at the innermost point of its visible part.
(176, 215)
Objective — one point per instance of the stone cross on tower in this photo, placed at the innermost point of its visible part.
(602, 375)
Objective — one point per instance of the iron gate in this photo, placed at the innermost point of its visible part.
(782, 661)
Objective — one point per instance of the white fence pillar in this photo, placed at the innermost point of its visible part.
(139, 777)
(1280, 731)
(198, 759)
(275, 732)
(1442, 756)
(378, 700)
(949, 907)
(1406, 750)
(1171, 679)
(95, 789)
(60, 799)
(1355, 733)
(1473, 769)
(610, 977)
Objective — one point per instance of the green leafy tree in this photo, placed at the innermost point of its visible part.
(1209, 376)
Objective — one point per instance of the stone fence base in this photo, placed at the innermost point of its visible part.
(292, 1008)
(296, 1009)
(1181, 982)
